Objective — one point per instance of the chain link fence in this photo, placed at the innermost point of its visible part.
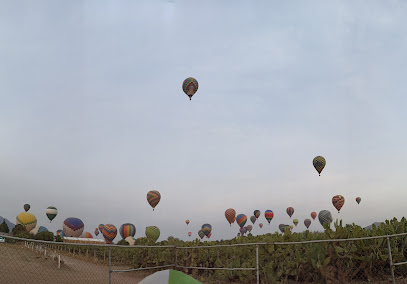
(363, 260)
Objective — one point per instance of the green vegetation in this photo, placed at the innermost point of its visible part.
(4, 227)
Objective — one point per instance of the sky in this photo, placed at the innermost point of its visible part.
(93, 115)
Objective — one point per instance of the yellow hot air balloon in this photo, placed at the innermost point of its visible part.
(29, 221)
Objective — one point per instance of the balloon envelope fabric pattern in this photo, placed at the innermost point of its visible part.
(190, 86)
(28, 220)
(127, 230)
(230, 215)
(73, 227)
(319, 163)
(256, 213)
(269, 215)
(241, 220)
(338, 201)
(313, 215)
(51, 213)
(290, 211)
(153, 197)
(109, 233)
(206, 229)
(307, 223)
(325, 217)
(153, 233)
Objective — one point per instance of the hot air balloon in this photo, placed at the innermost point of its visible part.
(261, 225)
(73, 227)
(96, 232)
(230, 215)
(295, 221)
(241, 220)
(59, 232)
(130, 240)
(290, 211)
(152, 233)
(291, 227)
(62, 234)
(206, 229)
(29, 221)
(253, 219)
(101, 226)
(190, 86)
(269, 215)
(319, 163)
(256, 213)
(338, 201)
(201, 234)
(37, 230)
(51, 212)
(358, 199)
(187, 221)
(109, 233)
(313, 215)
(325, 217)
(27, 207)
(87, 235)
(281, 227)
(210, 234)
(307, 223)
(249, 228)
(189, 234)
(127, 230)
(153, 197)
(242, 230)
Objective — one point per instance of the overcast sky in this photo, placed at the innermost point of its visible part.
(93, 116)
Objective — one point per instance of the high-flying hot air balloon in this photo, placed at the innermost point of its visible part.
(152, 233)
(127, 230)
(29, 221)
(253, 219)
(242, 230)
(319, 163)
(241, 220)
(307, 223)
(290, 211)
(249, 228)
(73, 227)
(261, 225)
(314, 215)
(269, 215)
(153, 197)
(96, 232)
(358, 199)
(189, 234)
(187, 221)
(27, 207)
(201, 234)
(206, 229)
(51, 212)
(230, 215)
(256, 213)
(101, 226)
(295, 221)
(325, 217)
(338, 201)
(190, 86)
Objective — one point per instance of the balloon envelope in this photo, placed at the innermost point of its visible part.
(269, 215)
(153, 233)
(27, 207)
(73, 227)
(109, 233)
(241, 220)
(51, 212)
(253, 219)
(242, 230)
(29, 221)
(201, 234)
(295, 221)
(249, 228)
(190, 86)
(307, 223)
(325, 217)
(261, 225)
(206, 229)
(358, 199)
(314, 215)
(230, 215)
(127, 230)
(338, 201)
(290, 211)
(153, 197)
(256, 213)
(319, 163)
(187, 221)
(87, 235)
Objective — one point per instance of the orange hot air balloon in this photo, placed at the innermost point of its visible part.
(338, 201)
(187, 221)
(314, 215)
(261, 225)
(230, 215)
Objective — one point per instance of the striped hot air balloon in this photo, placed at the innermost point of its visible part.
(241, 220)
(73, 227)
(206, 229)
(338, 201)
(230, 215)
(190, 86)
(290, 211)
(51, 212)
(109, 233)
(127, 230)
(153, 197)
(29, 221)
(269, 214)
(101, 226)
(152, 233)
(307, 223)
(201, 234)
(319, 163)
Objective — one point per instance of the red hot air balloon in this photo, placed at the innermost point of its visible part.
(358, 199)
(230, 215)
(269, 214)
(189, 234)
(261, 225)
(338, 201)
(314, 215)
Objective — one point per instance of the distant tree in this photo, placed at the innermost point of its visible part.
(18, 229)
(123, 243)
(45, 236)
(58, 238)
(4, 227)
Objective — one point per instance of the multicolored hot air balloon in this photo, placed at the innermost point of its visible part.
(261, 225)
(253, 219)
(152, 233)
(307, 223)
(249, 228)
(96, 232)
(209, 236)
(256, 213)
(51, 212)
(269, 215)
(189, 234)
(230, 215)
(319, 163)
(281, 227)
(338, 201)
(29, 221)
(290, 211)
(59, 232)
(87, 235)
(190, 86)
(313, 215)
(242, 230)
(295, 221)
(127, 230)
(153, 197)
(187, 221)
(241, 220)
(73, 227)
(358, 199)
(325, 217)
(206, 229)
(201, 234)
(101, 226)
(27, 207)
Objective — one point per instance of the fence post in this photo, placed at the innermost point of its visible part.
(59, 261)
(175, 256)
(257, 264)
(110, 264)
(390, 260)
